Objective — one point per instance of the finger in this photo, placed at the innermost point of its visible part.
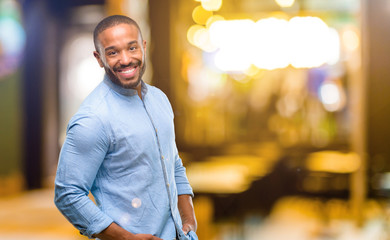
(186, 229)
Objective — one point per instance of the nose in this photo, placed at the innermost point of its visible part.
(125, 58)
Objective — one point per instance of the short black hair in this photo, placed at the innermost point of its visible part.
(109, 22)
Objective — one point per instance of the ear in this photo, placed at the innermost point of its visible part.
(97, 56)
(144, 46)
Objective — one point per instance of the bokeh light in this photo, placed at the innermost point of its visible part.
(212, 5)
(234, 52)
(271, 43)
(136, 202)
(285, 3)
(200, 15)
(331, 96)
(350, 39)
(333, 162)
(192, 31)
(214, 19)
(270, 46)
(309, 38)
(12, 37)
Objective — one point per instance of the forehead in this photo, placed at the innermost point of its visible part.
(118, 33)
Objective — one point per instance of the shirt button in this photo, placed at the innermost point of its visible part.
(162, 157)
(167, 184)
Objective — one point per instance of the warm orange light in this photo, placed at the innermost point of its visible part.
(212, 5)
(285, 3)
(214, 19)
(271, 43)
(226, 174)
(270, 47)
(350, 40)
(192, 31)
(200, 15)
(332, 161)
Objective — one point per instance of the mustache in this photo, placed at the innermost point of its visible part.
(132, 64)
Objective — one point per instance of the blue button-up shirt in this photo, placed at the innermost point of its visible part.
(122, 149)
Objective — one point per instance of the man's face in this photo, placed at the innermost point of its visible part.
(122, 54)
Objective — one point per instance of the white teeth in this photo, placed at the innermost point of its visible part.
(129, 71)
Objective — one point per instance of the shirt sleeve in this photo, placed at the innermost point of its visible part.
(182, 184)
(81, 156)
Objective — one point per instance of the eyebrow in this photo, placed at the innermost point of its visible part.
(113, 47)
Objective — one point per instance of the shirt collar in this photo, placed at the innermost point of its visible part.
(125, 91)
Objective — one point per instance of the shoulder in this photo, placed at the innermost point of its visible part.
(96, 98)
(158, 94)
(87, 129)
(86, 121)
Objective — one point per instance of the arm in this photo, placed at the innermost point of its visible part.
(185, 194)
(115, 232)
(187, 213)
(81, 156)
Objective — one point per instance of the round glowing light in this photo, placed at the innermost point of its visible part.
(333, 47)
(350, 40)
(200, 15)
(136, 203)
(192, 31)
(329, 93)
(125, 219)
(12, 37)
(303, 42)
(234, 52)
(201, 37)
(331, 96)
(202, 40)
(309, 38)
(269, 44)
(214, 19)
(285, 3)
(212, 5)
(218, 30)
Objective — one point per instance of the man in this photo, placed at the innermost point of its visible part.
(120, 146)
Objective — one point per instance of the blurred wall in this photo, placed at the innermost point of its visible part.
(377, 63)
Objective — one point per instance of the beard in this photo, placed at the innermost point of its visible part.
(114, 79)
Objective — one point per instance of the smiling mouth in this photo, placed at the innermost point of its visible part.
(128, 72)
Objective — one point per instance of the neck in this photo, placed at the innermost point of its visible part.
(139, 90)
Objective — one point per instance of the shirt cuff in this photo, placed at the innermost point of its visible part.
(184, 188)
(98, 224)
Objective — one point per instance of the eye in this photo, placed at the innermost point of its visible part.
(111, 53)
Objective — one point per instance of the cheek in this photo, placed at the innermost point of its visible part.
(110, 65)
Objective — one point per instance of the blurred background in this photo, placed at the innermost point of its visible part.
(281, 110)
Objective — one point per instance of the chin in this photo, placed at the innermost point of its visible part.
(129, 85)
